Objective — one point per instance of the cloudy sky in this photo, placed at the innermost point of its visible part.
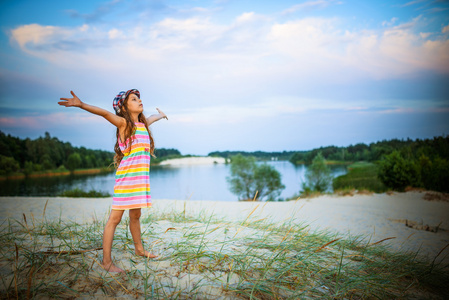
(230, 75)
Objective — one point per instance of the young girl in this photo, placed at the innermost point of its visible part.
(134, 148)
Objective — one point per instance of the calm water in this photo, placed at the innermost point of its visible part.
(200, 182)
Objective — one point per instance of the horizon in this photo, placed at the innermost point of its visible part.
(229, 74)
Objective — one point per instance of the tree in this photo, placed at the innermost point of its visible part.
(318, 175)
(73, 161)
(8, 165)
(46, 161)
(268, 182)
(247, 178)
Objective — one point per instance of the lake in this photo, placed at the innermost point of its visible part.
(195, 182)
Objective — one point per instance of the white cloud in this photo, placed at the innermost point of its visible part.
(114, 33)
(250, 50)
(314, 4)
(390, 23)
(36, 34)
(445, 29)
(413, 3)
(424, 35)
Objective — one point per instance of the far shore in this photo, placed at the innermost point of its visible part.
(51, 173)
(195, 160)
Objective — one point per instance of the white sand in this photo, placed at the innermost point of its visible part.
(372, 216)
(199, 160)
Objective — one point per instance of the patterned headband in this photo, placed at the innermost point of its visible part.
(120, 98)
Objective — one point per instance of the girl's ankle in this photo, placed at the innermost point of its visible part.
(139, 252)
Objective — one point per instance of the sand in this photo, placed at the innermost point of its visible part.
(375, 217)
(199, 160)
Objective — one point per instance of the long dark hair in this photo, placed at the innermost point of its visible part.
(129, 133)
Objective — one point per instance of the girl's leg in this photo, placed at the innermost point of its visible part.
(134, 227)
(108, 236)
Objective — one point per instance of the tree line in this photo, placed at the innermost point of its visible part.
(417, 163)
(422, 163)
(49, 153)
(376, 151)
(398, 164)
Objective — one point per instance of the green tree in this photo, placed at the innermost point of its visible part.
(46, 162)
(397, 172)
(8, 165)
(73, 161)
(247, 178)
(318, 175)
(28, 168)
(268, 182)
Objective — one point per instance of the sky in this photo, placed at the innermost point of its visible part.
(230, 75)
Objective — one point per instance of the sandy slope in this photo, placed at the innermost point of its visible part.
(376, 216)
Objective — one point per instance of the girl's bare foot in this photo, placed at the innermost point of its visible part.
(145, 254)
(112, 268)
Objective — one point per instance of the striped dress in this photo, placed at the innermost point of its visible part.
(132, 179)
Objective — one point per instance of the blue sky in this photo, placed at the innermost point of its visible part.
(230, 75)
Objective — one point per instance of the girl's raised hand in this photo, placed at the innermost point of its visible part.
(162, 113)
(75, 101)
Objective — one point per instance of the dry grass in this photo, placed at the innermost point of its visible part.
(202, 257)
(436, 196)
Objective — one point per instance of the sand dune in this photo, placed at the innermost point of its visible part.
(376, 216)
(197, 258)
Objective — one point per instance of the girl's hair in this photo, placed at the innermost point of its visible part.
(129, 132)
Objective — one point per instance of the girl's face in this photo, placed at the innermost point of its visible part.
(134, 104)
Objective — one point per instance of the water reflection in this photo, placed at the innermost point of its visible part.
(196, 182)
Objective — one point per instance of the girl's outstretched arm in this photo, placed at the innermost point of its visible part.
(76, 102)
(153, 118)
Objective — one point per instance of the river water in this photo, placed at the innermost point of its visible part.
(195, 182)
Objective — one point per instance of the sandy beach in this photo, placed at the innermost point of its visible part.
(198, 160)
(374, 217)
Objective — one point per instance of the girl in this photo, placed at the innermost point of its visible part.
(132, 180)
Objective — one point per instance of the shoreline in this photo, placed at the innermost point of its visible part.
(64, 173)
(194, 160)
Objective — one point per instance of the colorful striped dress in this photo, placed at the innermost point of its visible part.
(132, 179)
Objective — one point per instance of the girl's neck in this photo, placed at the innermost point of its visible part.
(135, 118)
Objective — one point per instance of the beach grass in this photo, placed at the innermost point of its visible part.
(360, 176)
(205, 257)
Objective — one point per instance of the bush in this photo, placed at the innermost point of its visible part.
(397, 173)
(435, 174)
(247, 178)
